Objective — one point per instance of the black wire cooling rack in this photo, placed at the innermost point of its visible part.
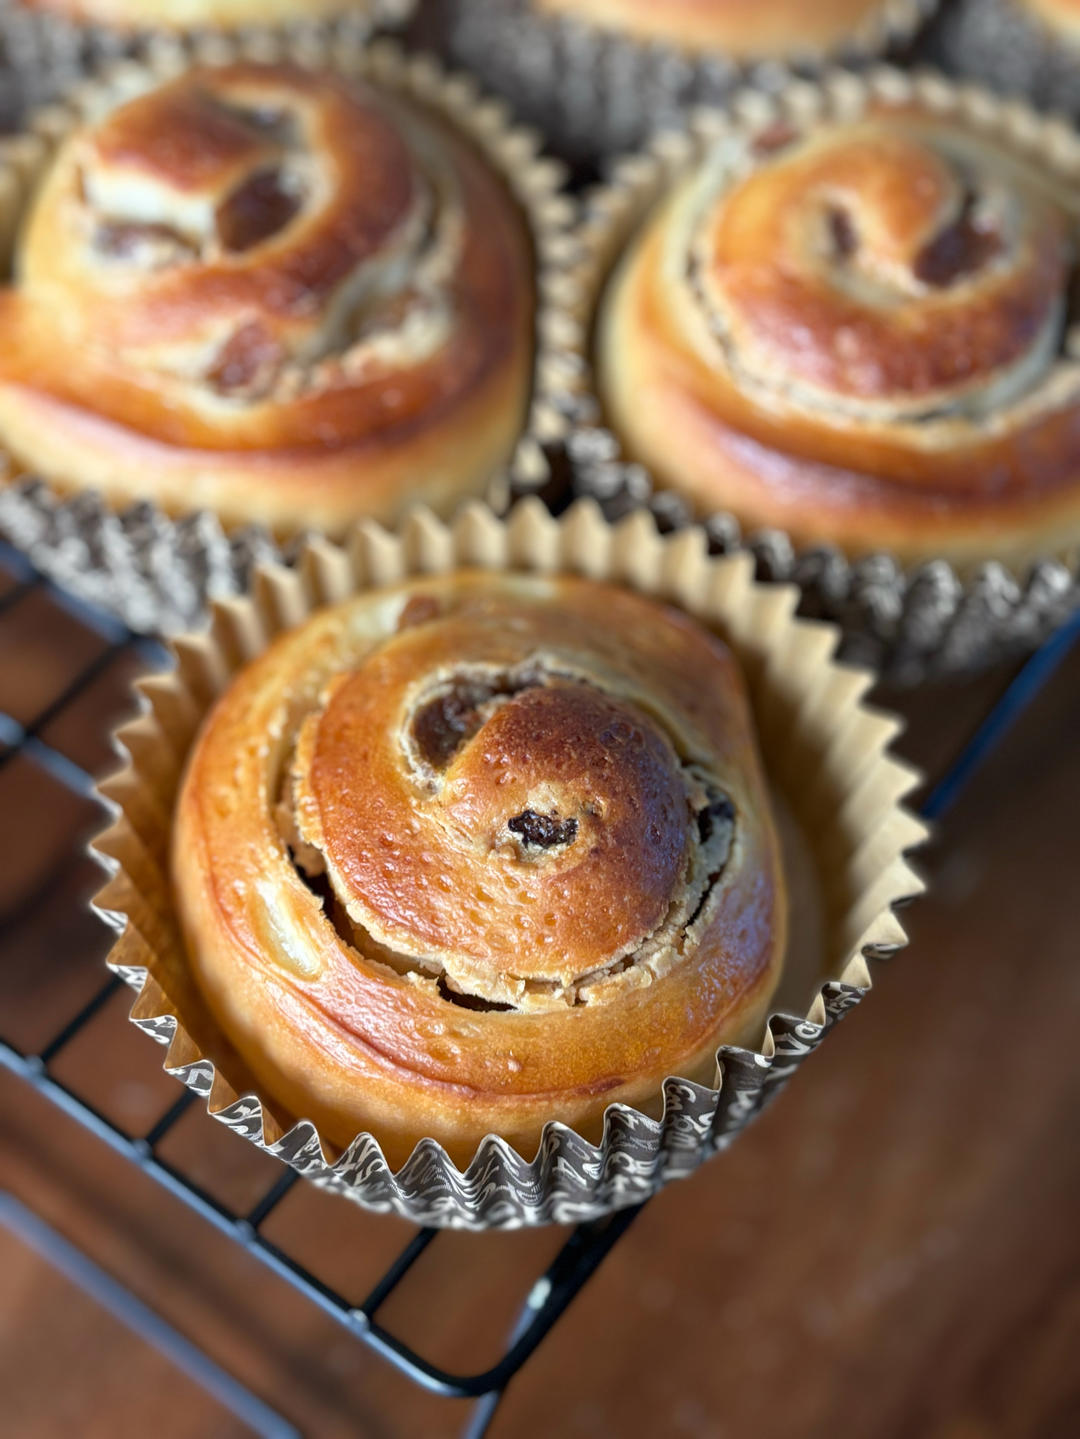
(550, 1294)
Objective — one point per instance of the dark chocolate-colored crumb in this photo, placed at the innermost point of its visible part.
(719, 810)
(960, 249)
(443, 725)
(842, 231)
(543, 830)
(257, 209)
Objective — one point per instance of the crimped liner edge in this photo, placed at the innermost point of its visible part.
(38, 515)
(613, 212)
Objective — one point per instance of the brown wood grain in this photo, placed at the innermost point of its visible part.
(892, 1251)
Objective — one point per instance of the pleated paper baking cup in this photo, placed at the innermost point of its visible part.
(912, 622)
(42, 54)
(1006, 44)
(594, 92)
(827, 760)
(154, 568)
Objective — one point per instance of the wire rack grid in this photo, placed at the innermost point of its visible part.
(28, 739)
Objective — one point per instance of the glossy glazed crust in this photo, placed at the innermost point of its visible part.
(180, 14)
(858, 339)
(602, 960)
(743, 29)
(294, 298)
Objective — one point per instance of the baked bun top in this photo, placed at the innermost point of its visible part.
(857, 327)
(892, 268)
(510, 833)
(257, 260)
(742, 29)
(214, 14)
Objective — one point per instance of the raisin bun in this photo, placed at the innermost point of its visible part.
(479, 852)
(856, 328)
(183, 14)
(286, 295)
(741, 29)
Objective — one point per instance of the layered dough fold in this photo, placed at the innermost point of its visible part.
(859, 331)
(288, 296)
(478, 853)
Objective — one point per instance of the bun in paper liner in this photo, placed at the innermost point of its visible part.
(823, 749)
(913, 618)
(595, 91)
(391, 324)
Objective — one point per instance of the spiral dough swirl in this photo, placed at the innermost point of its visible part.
(878, 273)
(858, 330)
(488, 845)
(288, 290)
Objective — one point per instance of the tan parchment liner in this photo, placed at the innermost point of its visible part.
(826, 754)
(157, 569)
(913, 621)
(595, 91)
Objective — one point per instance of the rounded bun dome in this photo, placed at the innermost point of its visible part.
(289, 295)
(858, 327)
(477, 853)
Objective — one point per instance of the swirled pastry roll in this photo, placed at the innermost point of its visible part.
(285, 295)
(183, 14)
(859, 331)
(479, 852)
(741, 29)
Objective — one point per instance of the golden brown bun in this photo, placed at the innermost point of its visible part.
(535, 812)
(856, 335)
(183, 14)
(284, 295)
(743, 29)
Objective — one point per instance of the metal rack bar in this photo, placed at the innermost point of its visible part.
(572, 1266)
(272, 1198)
(172, 1115)
(49, 1051)
(67, 695)
(71, 775)
(549, 1298)
(123, 1305)
(1007, 709)
(397, 1272)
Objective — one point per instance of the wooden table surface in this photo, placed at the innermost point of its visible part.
(892, 1252)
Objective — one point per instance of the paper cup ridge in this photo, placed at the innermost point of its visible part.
(155, 570)
(819, 741)
(915, 622)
